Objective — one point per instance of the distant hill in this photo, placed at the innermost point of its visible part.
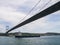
(41, 34)
(49, 34)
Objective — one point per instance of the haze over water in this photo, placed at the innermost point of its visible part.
(43, 40)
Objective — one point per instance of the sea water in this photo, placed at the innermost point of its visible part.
(43, 40)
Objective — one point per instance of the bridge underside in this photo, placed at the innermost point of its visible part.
(41, 14)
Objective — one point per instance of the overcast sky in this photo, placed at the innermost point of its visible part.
(12, 11)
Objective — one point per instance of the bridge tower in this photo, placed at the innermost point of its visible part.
(7, 27)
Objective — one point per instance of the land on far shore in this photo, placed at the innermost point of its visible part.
(30, 34)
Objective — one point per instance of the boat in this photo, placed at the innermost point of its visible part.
(26, 36)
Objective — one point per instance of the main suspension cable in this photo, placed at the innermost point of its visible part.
(31, 10)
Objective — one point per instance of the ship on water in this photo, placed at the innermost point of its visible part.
(24, 35)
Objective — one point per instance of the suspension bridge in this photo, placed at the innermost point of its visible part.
(48, 11)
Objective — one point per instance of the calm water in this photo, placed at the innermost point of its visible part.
(44, 40)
